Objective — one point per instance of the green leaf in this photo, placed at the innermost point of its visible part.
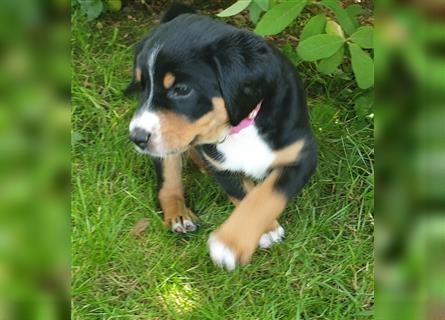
(362, 66)
(279, 17)
(314, 26)
(354, 10)
(364, 37)
(114, 5)
(254, 12)
(334, 28)
(263, 4)
(319, 47)
(330, 64)
(92, 8)
(235, 8)
(290, 52)
(364, 104)
(348, 24)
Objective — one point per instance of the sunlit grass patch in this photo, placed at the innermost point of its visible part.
(178, 295)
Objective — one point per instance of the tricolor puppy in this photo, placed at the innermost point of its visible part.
(238, 103)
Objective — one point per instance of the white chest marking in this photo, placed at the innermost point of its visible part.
(247, 152)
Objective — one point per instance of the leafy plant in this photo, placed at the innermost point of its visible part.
(93, 8)
(329, 48)
(322, 40)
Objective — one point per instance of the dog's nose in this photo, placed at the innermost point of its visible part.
(140, 137)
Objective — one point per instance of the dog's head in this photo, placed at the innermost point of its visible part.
(196, 78)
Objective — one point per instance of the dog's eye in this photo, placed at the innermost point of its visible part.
(180, 90)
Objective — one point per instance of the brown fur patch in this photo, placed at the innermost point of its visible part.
(194, 156)
(171, 195)
(168, 81)
(255, 214)
(214, 163)
(138, 74)
(218, 125)
(288, 154)
(177, 132)
(248, 184)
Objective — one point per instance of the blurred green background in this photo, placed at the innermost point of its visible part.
(35, 160)
(410, 166)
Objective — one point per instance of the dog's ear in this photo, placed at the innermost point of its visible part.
(176, 10)
(137, 77)
(243, 66)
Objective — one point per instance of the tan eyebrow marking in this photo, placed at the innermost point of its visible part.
(168, 81)
(138, 74)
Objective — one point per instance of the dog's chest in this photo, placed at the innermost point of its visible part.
(247, 152)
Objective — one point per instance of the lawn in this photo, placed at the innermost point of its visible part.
(323, 269)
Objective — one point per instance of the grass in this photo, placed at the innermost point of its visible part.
(323, 269)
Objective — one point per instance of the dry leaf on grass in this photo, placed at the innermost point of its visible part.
(139, 227)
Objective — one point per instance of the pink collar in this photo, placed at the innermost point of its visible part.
(248, 121)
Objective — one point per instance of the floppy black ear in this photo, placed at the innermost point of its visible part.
(137, 77)
(243, 64)
(176, 10)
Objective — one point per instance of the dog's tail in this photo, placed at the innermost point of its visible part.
(176, 10)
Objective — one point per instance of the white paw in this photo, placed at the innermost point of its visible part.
(268, 239)
(220, 254)
(183, 226)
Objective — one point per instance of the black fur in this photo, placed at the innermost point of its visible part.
(237, 56)
(176, 10)
(134, 85)
(232, 183)
(294, 177)
(159, 169)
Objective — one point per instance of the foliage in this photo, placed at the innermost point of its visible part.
(279, 17)
(93, 8)
(324, 37)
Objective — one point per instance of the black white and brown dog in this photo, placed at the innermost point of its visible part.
(238, 104)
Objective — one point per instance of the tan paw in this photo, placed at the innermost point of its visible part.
(185, 222)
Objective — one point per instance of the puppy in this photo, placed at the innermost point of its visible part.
(238, 103)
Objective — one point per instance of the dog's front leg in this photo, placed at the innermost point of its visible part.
(238, 237)
(237, 188)
(177, 216)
